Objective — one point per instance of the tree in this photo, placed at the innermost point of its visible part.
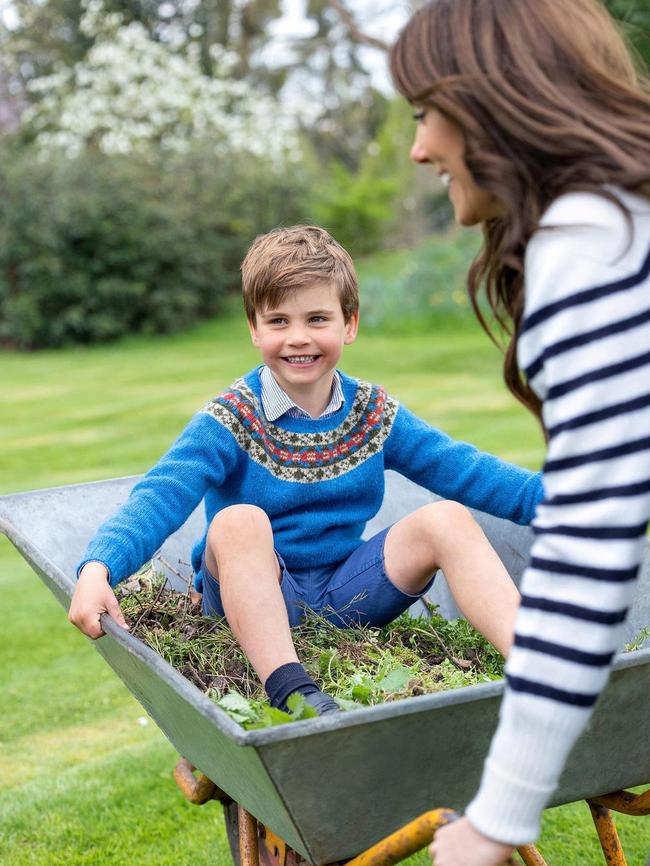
(131, 91)
(634, 15)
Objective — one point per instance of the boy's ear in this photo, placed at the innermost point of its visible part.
(351, 328)
(253, 332)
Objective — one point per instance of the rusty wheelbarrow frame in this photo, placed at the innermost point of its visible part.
(417, 752)
(254, 844)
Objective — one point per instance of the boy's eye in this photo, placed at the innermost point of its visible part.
(318, 319)
(419, 115)
(277, 321)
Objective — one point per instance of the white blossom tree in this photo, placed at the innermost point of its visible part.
(131, 92)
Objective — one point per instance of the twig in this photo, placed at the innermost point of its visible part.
(355, 31)
(149, 610)
(198, 676)
(461, 664)
(186, 580)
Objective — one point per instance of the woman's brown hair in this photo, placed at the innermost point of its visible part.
(549, 101)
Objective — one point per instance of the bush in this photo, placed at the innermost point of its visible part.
(387, 202)
(96, 247)
(355, 208)
(412, 289)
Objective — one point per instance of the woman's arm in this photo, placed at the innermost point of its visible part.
(585, 347)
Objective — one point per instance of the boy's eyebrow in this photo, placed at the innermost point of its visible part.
(269, 314)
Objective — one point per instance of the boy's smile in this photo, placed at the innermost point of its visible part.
(301, 342)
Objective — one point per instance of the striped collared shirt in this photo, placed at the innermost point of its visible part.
(276, 402)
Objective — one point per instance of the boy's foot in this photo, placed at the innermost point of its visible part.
(292, 678)
(323, 703)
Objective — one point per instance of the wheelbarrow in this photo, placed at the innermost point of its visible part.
(282, 787)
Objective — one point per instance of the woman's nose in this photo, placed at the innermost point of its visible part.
(418, 153)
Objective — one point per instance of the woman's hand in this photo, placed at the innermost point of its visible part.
(92, 597)
(460, 844)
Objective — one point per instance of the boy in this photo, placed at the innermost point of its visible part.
(290, 460)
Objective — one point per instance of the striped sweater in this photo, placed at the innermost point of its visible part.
(585, 350)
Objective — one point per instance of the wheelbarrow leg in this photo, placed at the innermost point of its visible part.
(607, 834)
(620, 801)
(248, 850)
(531, 856)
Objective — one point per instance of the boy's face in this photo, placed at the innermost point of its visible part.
(301, 340)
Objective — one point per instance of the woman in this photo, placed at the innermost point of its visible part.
(532, 113)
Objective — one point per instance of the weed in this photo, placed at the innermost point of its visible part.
(357, 666)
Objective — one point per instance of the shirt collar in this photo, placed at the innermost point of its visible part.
(276, 402)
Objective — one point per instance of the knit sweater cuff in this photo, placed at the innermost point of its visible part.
(93, 559)
(506, 809)
(116, 564)
(526, 759)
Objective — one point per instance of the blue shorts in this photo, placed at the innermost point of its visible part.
(357, 591)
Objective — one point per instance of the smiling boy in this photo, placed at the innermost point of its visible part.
(290, 461)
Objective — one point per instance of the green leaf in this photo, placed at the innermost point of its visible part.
(362, 693)
(346, 705)
(299, 707)
(327, 661)
(272, 716)
(238, 708)
(396, 679)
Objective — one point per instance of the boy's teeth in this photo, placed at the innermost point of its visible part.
(445, 178)
(300, 359)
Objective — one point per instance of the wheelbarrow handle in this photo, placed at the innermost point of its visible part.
(414, 836)
(197, 789)
(405, 841)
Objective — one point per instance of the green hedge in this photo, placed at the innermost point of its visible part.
(413, 289)
(96, 247)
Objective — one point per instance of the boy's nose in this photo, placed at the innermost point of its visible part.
(298, 337)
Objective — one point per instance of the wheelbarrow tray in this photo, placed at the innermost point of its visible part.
(331, 787)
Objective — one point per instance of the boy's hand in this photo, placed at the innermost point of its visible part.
(461, 844)
(92, 597)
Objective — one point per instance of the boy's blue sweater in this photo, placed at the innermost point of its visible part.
(318, 480)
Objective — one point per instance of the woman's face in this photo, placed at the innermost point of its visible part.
(440, 142)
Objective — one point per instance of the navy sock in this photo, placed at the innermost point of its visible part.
(287, 679)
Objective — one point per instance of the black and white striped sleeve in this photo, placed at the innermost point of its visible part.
(585, 349)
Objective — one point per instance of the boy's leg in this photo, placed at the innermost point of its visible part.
(445, 535)
(240, 554)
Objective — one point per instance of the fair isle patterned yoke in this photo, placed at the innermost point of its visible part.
(306, 457)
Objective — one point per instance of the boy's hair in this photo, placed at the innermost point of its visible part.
(548, 100)
(288, 259)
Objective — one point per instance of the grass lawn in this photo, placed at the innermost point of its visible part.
(86, 778)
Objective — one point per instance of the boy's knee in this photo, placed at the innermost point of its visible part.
(238, 522)
(444, 518)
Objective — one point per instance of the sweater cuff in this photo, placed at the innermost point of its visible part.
(94, 559)
(526, 758)
(506, 809)
(116, 564)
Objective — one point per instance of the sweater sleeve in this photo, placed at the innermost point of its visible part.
(459, 471)
(585, 348)
(164, 498)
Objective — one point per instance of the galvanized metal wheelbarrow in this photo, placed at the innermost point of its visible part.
(325, 789)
